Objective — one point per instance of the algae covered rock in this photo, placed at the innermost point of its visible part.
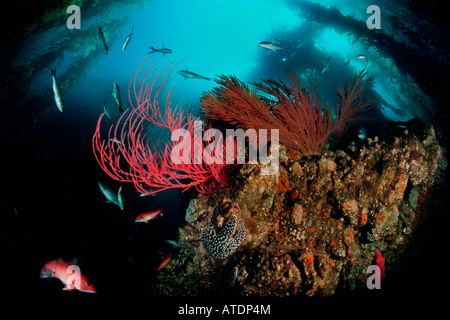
(314, 226)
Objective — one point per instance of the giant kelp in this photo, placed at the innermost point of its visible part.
(23, 59)
(424, 67)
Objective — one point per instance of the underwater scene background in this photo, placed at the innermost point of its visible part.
(362, 173)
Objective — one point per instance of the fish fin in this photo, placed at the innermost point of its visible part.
(74, 261)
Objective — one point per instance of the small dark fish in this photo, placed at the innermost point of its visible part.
(361, 133)
(347, 62)
(173, 243)
(163, 50)
(363, 57)
(115, 141)
(192, 75)
(59, 100)
(127, 40)
(116, 95)
(146, 195)
(111, 196)
(326, 66)
(271, 46)
(102, 39)
(105, 109)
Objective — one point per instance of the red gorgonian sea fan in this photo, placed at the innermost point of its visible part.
(128, 155)
(303, 120)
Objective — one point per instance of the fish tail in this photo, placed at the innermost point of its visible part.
(53, 72)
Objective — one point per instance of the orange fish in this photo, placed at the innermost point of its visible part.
(379, 260)
(149, 215)
(69, 275)
(164, 262)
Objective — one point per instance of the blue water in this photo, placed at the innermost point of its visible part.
(218, 38)
(53, 203)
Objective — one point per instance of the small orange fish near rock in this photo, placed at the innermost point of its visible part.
(149, 215)
(379, 261)
(164, 262)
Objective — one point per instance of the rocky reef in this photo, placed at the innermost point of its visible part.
(312, 228)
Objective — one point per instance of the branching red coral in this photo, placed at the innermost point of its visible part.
(127, 156)
(352, 100)
(303, 120)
